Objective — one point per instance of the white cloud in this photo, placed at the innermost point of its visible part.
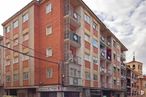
(9, 8)
(127, 20)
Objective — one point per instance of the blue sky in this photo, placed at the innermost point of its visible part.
(125, 18)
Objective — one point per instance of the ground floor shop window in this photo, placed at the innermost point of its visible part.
(71, 94)
(49, 94)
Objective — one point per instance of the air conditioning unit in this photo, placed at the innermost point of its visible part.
(103, 54)
(75, 81)
(71, 59)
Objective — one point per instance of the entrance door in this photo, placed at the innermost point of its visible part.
(71, 94)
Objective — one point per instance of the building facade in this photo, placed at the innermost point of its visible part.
(59, 48)
(1, 68)
(143, 92)
(134, 78)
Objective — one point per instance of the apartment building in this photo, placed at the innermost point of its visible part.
(61, 49)
(143, 92)
(134, 78)
(1, 67)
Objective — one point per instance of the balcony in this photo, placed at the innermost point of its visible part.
(72, 81)
(109, 72)
(74, 39)
(102, 39)
(74, 60)
(72, 17)
(102, 70)
(103, 53)
(123, 57)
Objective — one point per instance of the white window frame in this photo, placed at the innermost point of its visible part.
(49, 30)
(87, 18)
(8, 61)
(25, 17)
(26, 36)
(7, 29)
(15, 41)
(8, 78)
(25, 75)
(26, 57)
(48, 8)
(15, 60)
(87, 57)
(15, 24)
(87, 37)
(95, 78)
(94, 25)
(87, 75)
(49, 52)
(93, 43)
(8, 45)
(49, 73)
(15, 77)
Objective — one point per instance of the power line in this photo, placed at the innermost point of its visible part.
(26, 46)
(29, 55)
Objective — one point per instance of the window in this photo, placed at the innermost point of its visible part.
(25, 36)
(87, 37)
(87, 57)
(49, 8)
(79, 73)
(15, 76)
(71, 71)
(15, 24)
(95, 77)
(115, 82)
(8, 45)
(95, 43)
(25, 17)
(8, 78)
(15, 41)
(25, 75)
(115, 57)
(7, 29)
(133, 66)
(94, 26)
(95, 60)
(87, 18)
(25, 57)
(15, 60)
(49, 52)
(48, 30)
(87, 75)
(114, 43)
(114, 69)
(49, 73)
(8, 61)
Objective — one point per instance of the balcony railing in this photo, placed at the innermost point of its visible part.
(103, 53)
(73, 81)
(73, 16)
(75, 39)
(74, 59)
